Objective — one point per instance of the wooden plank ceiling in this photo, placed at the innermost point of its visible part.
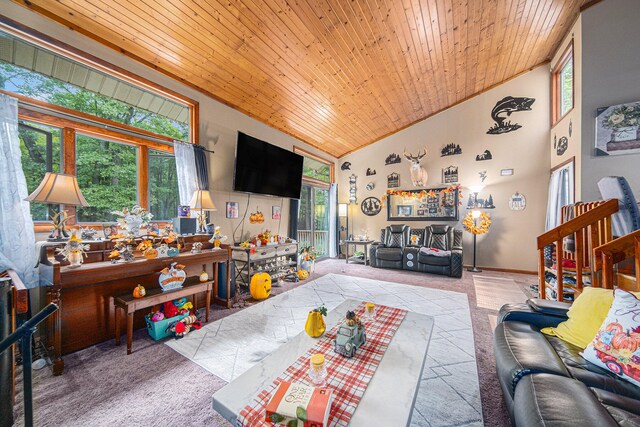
(336, 74)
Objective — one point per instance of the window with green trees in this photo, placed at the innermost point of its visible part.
(563, 85)
(106, 170)
(40, 153)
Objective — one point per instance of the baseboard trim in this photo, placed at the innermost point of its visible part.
(505, 270)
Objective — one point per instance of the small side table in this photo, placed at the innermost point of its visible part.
(355, 244)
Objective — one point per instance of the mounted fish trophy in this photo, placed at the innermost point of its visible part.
(419, 174)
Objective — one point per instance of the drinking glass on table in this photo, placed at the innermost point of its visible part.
(369, 312)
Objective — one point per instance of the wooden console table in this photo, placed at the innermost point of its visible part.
(129, 305)
(87, 314)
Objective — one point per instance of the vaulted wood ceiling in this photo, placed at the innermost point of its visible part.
(337, 74)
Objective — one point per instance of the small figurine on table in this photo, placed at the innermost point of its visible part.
(217, 238)
(350, 336)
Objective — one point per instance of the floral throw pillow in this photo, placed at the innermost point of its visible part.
(616, 347)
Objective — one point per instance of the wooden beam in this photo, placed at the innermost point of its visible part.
(143, 177)
(91, 130)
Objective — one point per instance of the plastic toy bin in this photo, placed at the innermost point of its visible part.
(162, 329)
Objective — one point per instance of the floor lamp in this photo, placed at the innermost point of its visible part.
(475, 214)
(343, 212)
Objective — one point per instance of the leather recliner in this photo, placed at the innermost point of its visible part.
(388, 253)
(444, 238)
(545, 381)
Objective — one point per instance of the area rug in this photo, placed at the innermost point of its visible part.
(449, 392)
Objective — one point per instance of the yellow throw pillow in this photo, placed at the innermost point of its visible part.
(585, 317)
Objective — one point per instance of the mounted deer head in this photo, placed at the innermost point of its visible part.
(419, 175)
(416, 158)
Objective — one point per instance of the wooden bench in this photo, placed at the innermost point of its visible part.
(129, 305)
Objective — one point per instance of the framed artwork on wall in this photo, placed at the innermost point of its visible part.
(232, 209)
(450, 174)
(275, 212)
(618, 129)
(393, 180)
(439, 204)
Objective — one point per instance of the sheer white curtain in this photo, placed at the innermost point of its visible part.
(17, 237)
(186, 169)
(333, 217)
(560, 194)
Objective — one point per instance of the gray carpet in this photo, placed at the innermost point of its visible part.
(155, 385)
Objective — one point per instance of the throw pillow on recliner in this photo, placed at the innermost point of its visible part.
(616, 346)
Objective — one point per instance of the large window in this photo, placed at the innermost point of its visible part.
(80, 115)
(563, 85)
(106, 174)
(40, 151)
(163, 185)
(315, 169)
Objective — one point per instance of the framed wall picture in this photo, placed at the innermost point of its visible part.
(450, 174)
(618, 129)
(275, 212)
(232, 209)
(393, 180)
(404, 210)
(434, 204)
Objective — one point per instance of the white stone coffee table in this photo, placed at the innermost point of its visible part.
(391, 394)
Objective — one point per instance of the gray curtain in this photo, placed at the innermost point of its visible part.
(294, 207)
(560, 194)
(17, 236)
(202, 171)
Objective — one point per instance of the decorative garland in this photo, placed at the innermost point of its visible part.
(481, 228)
(419, 194)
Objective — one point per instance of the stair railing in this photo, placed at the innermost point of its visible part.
(14, 299)
(593, 227)
(615, 251)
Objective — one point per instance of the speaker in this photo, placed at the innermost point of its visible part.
(185, 225)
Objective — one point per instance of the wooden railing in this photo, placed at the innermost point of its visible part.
(614, 252)
(318, 239)
(592, 227)
(572, 211)
(13, 301)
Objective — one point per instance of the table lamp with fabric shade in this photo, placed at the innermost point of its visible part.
(58, 188)
(202, 201)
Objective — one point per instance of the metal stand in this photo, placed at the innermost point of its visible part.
(474, 269)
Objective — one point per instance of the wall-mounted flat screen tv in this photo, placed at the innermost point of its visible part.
(263, 168)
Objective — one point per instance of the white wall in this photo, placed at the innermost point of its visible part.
(218, 127)
(610, 76)
(510, 243)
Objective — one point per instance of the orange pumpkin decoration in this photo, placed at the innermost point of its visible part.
(150, 253)
(614, 327)
(303, 274)
(626, 341)
(139, 291)
(260, 286)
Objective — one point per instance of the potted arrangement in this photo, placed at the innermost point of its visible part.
(308, 256)
(133, 219)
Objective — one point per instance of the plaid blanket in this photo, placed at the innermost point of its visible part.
(347, 377)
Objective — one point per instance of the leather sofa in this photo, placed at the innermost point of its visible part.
(545, 381)
(394, 250)
(388, 253)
